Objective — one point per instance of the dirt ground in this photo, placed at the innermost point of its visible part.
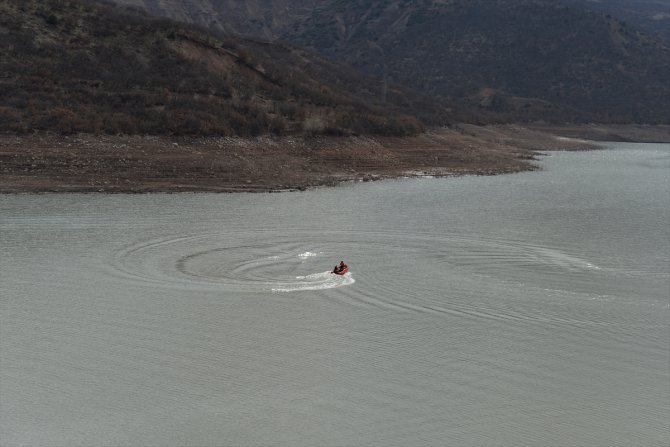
(134, 164)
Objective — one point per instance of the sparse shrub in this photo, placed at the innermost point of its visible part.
(278, 125)
(119, 123)
(289, 110)
(9, 117)
(62, 120)
(313, 125)
(333, 131)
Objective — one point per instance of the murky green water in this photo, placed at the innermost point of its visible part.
(519, 310)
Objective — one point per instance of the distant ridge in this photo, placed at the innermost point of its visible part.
(650, 16)
(265, 19)
(515, 60)
(570, 57)
(270, 19)
(79, 66)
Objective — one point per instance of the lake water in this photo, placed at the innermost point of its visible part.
(518, 310)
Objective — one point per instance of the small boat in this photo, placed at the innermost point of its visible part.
(343, 271)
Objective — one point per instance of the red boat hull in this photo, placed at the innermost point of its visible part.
(341, 273)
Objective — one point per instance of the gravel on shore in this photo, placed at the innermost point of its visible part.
(40, 163)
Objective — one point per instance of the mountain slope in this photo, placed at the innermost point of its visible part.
(258, 18)
(650, 16)
(76, 66)
(567, 56)
(559, 60)
(271, 18)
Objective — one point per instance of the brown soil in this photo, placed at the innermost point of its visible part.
(90, 163)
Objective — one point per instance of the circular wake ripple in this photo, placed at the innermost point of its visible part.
(232, 262)
(295, 260)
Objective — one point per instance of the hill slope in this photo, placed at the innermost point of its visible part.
(270, 19)
(559, 60)
(258, 18)
(75, 66)
(650, 16)
(569, 56)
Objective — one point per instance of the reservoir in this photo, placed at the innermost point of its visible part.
(515, 310)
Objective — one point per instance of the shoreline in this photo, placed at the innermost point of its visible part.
(629, 133)
(43, 163)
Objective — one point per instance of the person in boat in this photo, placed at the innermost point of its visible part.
(340, 268)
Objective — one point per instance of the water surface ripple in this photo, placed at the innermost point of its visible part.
(520, 310)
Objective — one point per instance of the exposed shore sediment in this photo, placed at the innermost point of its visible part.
(134, 164)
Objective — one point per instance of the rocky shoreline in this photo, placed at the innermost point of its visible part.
(43, 163)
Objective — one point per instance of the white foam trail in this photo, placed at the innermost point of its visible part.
(307, 254)
(316, 281)
(564, 260)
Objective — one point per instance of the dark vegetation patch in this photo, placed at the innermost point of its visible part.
(521, 60)
(74, 66)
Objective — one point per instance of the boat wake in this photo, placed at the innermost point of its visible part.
(215, 262)
(248, 261)
(316, 281)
